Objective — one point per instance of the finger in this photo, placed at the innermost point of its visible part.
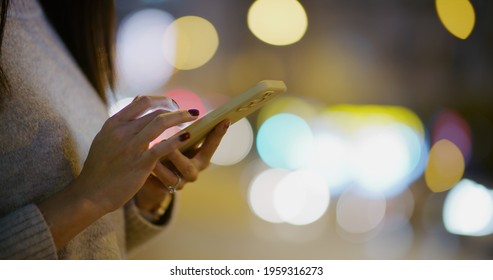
(152, 191)
(187, 168)
(162, 122)
(211, 143)
(155, 185)
(140, 123)
(162, 149)
(165, 176)
(142, 104)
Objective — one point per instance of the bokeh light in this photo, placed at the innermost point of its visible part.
(196, 42)
(281, 196)
(187, 99)
(402, 204)
(277, 22)
(293, 105)
(359, 214)
(261, 194)
(468, 209)
(235, 145)
(445, 166)
(331, 160)
(384, 158)
(381, 149)
(353, 117)
(119, 105)
(285, 141)
(301, 197)
(457, 16)
(141, 62)
(451, 126)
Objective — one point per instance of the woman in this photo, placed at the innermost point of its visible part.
(67, 190)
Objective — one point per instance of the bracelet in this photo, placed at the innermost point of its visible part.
(163, 206)
(156, 215)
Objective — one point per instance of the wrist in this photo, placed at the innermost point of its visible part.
(68, 213)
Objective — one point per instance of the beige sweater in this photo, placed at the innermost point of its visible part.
(46, 128)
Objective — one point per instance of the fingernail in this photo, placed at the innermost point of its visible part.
(194, 112)
(185, 136)
(227, 125)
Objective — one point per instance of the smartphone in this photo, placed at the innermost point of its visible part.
(239, 107)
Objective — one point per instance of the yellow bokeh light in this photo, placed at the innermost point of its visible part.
(293, 105)
(277, 22)
(457, 16)
(196, 42)
(355, 116)
(445, 166)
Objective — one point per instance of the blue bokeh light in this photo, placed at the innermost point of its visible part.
(285, 141)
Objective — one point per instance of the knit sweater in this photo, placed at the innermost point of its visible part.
(46, 128)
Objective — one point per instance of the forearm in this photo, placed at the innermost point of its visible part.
(67, 213)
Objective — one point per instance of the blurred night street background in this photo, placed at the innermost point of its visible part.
(381, 148)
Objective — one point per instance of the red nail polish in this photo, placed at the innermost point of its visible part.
(185, 136)
(194, 112)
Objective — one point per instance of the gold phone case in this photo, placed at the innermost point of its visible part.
(237, 108)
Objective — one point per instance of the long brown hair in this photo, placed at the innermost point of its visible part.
(4, 83)
(87, 29)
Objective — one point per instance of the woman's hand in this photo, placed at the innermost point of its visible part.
(120, 160)
(119, 163)
(155, 189)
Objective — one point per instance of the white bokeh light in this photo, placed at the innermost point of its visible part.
(119, 105)
(235, 145)
(261, 194)
(384, 158)
(330, 160)
(468, 209)
(141, 51)
(301, 197)
(357, 213)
